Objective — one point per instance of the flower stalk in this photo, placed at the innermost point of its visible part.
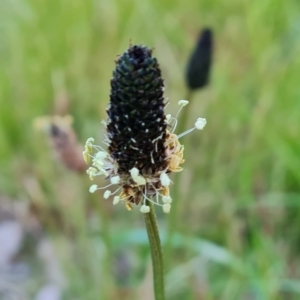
(156, 253)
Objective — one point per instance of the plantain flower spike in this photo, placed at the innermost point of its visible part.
(142, 148)
(199, 65)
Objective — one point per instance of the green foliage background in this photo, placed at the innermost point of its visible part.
(237, 222)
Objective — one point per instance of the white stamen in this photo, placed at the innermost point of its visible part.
(134, 172)
(167, 199)
(98, 165)
(89, 144)
(91, 172)
(185, 132)
(174, 125)
(102, 172)
(156, 147)
(100, 155)
(200, 123)
(98, 148)
(156, 139)
(116, 191)
(140, 180)
(116, 200)
(164, 179)
(115, 179)
(106, 194)
(166, 208)
(86, 156)
(144, 209)
(93, 188)
(183, 102)
(146, 198)
(134, 148)
(90, 141)
(151, 155)
(168, 117)
(156, 196)
(98, 159)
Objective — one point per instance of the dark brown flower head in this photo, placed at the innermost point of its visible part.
(142, 148)
(199, 65)
(136, 126)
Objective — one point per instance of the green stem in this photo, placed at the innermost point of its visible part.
(156, 253)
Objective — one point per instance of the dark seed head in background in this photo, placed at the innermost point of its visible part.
(136, 125)
(199, 64)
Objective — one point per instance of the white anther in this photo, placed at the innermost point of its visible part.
(86, 156)
(164, 179)
(115, 179)
(134, 172)
(91, 172)
(106, 194)
(116, 200)
(183, 102)
(166, 208)
(140, 180)
(144, 209)
(93, 188)
(98, 163)
(168, 117)
(200, 123)
(102, 171)
(90, 141)
(167, 199)
(100, 155)
(89, 145)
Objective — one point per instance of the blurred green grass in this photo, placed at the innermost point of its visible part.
(240, 188)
